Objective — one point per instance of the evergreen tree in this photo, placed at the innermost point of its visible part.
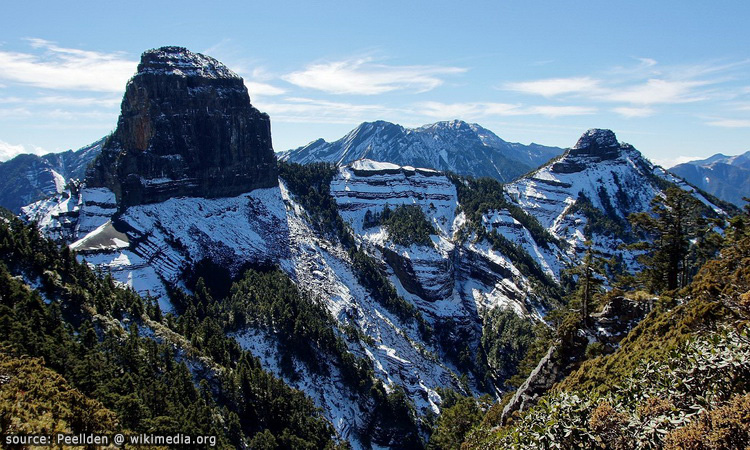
(590, 277)
(672, 224)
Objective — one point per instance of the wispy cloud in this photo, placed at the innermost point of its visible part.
(365, 77)
(730, 123)
(63, 100)
(634, 91)
(560, 111)
(482, 110)
(263, 89)
(630, 112)
(14, 113)
(671, 162)
(307, 110)
(466, 111)
(55, 67)
(656, 91)
(554, 86)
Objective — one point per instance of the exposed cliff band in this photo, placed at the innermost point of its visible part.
(187, 128)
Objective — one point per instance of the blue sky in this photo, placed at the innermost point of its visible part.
(670, 77)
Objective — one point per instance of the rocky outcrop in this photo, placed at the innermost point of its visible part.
(590, 191)
(608, 327)
(597, 143)
(543, 377)
(187, 128)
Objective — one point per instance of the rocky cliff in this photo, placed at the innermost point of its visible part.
(187, 128)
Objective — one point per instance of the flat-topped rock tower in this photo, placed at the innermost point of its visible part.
(186, 128)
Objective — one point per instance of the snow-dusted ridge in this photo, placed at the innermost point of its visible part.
(149, 247)
(453, 146)
(449, 280)
(613, 176)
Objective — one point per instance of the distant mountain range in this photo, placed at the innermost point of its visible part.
(727, 177)
(28, 178)
(450, 146)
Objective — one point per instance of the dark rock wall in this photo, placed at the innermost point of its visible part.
(187, 128)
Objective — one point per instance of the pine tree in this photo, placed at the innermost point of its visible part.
(672, 224)
(590, 275)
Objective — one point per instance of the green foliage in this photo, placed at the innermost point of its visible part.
(406, 224)
(658, 398)
(456, 420)
(506, 339)
(145, 382)
(478, 196)
(371, 276)
(37, 400)
(590, 274)
(606, 223)
(542, 338)
(671, 226)
(311, 184)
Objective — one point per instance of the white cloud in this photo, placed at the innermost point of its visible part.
(671, 162)
(631, 112)
(306, 110)
(655, 91)
(555, 86)
(9, 151)
(483, 110)
(647, 62)
(363, 77)
(262, 89)
(64, 100)
(57, 67)
(14, 113)
(730, 123)
(466, 111)
(560, 111)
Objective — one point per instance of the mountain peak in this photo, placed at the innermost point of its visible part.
(173, 60)
(597, 142)
(187, 128)
(596, 137)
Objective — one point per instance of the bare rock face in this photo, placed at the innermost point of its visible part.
(187, 128)
(595, 145)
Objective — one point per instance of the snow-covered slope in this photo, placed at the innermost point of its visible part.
(611, 177)
(151, 248)
(440, 272)
(454, 146)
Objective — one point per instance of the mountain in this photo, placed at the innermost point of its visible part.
(589, 191)
(727, 177)
(186, 128)
(455, 146)
(678, 380)
(28, 178)
(377, 291)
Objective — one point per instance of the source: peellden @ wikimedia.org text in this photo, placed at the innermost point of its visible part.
(118, 439)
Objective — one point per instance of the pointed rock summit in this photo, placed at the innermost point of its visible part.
(187, 128)
(595, 145)
(597, 142)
